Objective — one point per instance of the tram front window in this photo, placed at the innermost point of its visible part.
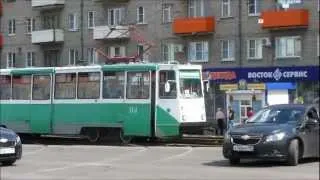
(190, 84)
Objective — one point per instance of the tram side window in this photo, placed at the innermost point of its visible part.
(113, 85)
(5, 90)
(89, 85)
(41, 87)
(65, 86)
(169, 78)
(21, 87)
(138, 85)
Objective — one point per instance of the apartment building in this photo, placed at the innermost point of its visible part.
(215, 33)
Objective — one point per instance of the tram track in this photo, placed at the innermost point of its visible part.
(185, 140)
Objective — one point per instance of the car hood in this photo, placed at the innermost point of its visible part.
(7, 134)
(260, 129)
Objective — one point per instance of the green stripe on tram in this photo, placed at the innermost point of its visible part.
(131, 67)
(29, 71)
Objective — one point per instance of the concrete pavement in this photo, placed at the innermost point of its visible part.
(85, 162)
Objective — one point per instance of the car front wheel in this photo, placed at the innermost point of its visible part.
(293, 153)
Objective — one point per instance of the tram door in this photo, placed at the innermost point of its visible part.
(167, 111)
(137, 121)
(41, 104)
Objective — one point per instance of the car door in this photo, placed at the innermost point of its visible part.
(311, 133)
(316, 132)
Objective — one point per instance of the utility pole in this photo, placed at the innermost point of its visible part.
(81, 30)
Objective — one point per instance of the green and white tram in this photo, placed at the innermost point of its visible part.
(134, 100)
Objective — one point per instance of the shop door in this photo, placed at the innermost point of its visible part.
(244, 104)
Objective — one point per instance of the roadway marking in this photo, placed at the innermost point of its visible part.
(188, 151)
(105, 162)
(33, 152)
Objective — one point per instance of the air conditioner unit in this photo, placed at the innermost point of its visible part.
(266, 42)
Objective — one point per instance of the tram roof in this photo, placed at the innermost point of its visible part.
(111, 67)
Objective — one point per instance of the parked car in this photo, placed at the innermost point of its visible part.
(287, 132)
(10, 146)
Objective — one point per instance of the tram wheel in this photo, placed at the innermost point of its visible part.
(124, 139)
(93, 134)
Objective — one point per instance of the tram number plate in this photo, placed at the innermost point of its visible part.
(7, 150)
(244, 148)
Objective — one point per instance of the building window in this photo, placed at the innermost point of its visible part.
(73, 56)
(318, 39)
(166, 13)
(30, 58)
(143, 54)
(254, 48)
(170, 51)
(116, 16)
(118, 51)
(12, 26)
(227, 50)
(92, 56)
(289, 1)
(198, 51)
(196, 8)
(225, 8)
(72, 22)
(140, 15)
(254, 7)
(50, 21)
(165, 52)
(11, 59)
(91, 23)
(30, 25)
(288, 47)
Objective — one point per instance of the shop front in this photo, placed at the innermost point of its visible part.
(255, 88)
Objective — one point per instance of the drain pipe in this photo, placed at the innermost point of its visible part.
(240, 32)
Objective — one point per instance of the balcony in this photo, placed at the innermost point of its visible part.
(47, 36)
(47, 4)
(106, 32)
(1, 40)
(192, 25)
(285, 19)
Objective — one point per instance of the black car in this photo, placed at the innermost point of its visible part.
(287, 132)
(10, 146)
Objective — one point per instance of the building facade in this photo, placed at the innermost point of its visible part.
(214, 33)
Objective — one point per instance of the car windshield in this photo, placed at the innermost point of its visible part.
(277, 115)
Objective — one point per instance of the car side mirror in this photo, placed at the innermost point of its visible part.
(311, 122)
(167, 87)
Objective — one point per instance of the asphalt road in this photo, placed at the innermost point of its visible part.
(85, 162)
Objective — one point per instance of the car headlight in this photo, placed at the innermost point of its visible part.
(18, 140)
(227, 136)
(275, 137)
